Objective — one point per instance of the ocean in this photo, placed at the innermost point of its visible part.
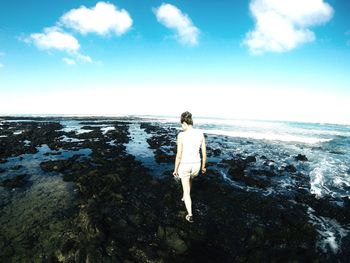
(327, 146)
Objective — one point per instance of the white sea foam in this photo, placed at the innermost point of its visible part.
(268, 136)
(17, 132)
(76, 129)
(64, 138)
(329, 177)
(107, 129)
(3, 136)
(317, 181)
(330, 232)
(321, 132)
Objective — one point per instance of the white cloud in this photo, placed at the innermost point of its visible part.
(83, 58)
(69, 61)
(283, 25)
(172, 17)
(101, 19)
(54, 38)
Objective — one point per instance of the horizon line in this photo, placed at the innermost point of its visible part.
(166, 117)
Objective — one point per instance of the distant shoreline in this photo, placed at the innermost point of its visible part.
(147, 116)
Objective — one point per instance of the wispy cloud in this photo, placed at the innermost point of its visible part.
(1, 55)
(102, 19)
(54, 38)
(173, 18)
(347, 33)
(69, 61)
(283, 25)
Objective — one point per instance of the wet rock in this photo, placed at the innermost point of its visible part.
(174, 241)
(301, 157)
(121, 224)
(16, 167)
(6, 252)
(112, 248)
(270, 163)
(290, 168)
(3, 160)
(263, 172)
(52, 153)
(162, 157)
(236, 167)
(217, 152)
(142, 254)
(161, 232)
(250, 159)
(2, 170)
(337, 152)
(15, 182)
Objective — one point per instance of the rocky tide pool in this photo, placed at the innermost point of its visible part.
(101, 190)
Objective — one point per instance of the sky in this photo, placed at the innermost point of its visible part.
(259, 59)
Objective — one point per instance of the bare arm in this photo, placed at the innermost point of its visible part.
(204, 155)
(178, 155)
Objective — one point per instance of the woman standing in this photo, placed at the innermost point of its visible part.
(188, 162)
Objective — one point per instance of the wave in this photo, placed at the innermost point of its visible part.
(268, 136)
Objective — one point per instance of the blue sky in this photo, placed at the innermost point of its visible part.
(258, 59)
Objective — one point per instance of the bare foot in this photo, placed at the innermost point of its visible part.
(189, 218)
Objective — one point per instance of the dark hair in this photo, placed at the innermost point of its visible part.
(187, 117)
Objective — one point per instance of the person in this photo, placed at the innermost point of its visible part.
(188, 162)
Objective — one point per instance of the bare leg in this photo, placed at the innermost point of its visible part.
(183, 198)
(186, 194)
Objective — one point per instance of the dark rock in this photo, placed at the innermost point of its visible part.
(174, 241)
(290, 168)
(250, 159)
(263, 172)
(301, 157)
(112, 248)
(17, 181)
(216, 152)
(16, 167)
(161, 232)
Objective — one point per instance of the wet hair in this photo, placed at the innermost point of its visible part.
(187, 117)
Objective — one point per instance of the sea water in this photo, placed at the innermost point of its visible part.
(327, 147)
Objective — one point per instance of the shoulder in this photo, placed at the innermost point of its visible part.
(199, 132)
(180, 135)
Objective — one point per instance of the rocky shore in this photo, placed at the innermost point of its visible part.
(117, 211)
